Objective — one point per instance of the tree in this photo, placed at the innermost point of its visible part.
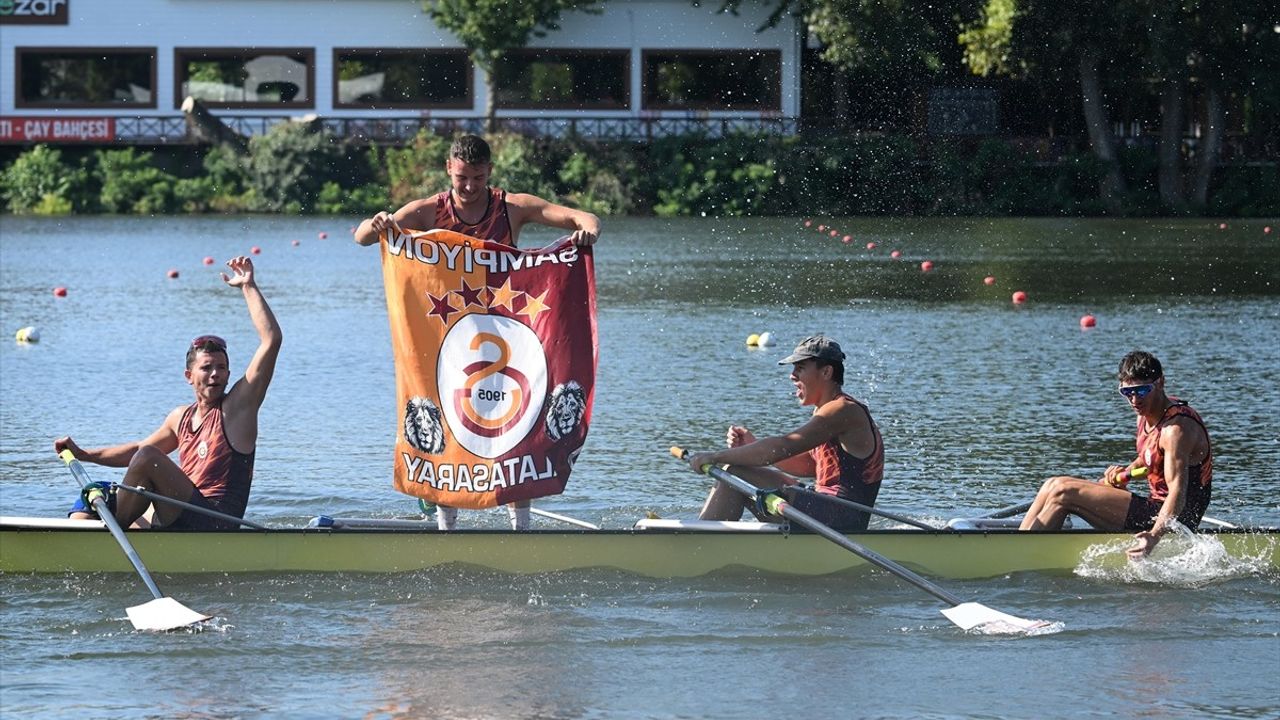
(1044, 39)
(491, 28)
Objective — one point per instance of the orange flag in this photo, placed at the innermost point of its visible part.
(495, 351)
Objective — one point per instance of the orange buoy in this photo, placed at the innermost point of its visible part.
(1019, 297)
(255, 250)
(1088, 321)
(989, 280)
(59, 291)
(173, 274)
(926, 266)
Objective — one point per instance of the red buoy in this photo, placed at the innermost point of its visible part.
(59, 291)
(926, 266)
(846, 239)
(871, 246)
(1266, 230)
(207, 260)
(173, 274)
(255, 250)
(1222, 226)
(808, 223)
(1019, 297)
(296, 243)
(989, 280)
(822, 228)
(833, 233)
(895, 254)
(1088, 321)
(323, 235)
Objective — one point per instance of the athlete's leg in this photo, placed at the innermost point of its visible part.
(152, 470)
(725, 503)
(1102, 506)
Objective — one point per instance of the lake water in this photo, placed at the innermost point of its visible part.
(978, 400)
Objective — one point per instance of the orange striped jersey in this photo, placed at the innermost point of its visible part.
(1199, 477)
(494, 225)
(843, 475)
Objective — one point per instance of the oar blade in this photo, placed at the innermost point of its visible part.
(979, 617)
(163, 614)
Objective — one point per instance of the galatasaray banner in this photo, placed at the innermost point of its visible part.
(495, 352)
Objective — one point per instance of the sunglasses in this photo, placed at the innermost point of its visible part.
(210, 340)
(1137, 391)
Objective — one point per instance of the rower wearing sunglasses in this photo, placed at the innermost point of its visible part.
(216, 436)
(1173, 449)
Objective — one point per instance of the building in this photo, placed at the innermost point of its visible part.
(108, 71)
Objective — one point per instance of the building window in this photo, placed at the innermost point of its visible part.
(85, 77)
(260, 78)
(712, 80)
(564, 79)
(402, 78)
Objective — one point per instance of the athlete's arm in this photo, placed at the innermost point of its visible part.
(1177, 445)
(164, 439)
(584, 226)
(370, 230)
(789, 452)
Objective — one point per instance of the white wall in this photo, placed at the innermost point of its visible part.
(326, 24)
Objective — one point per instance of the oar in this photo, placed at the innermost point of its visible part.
(1021, 508)
(162, 613)
(564, 518)
(157, 497)
(967, 615)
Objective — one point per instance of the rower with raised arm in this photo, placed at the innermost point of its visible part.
(216, 436)
(840, 447)
(1173, 448)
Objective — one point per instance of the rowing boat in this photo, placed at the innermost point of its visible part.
(655, 548)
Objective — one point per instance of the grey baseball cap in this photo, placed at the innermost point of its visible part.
(819, 347)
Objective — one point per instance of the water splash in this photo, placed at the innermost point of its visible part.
(1041, 627)
(1183, 558)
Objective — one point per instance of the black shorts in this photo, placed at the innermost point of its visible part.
(1143, 512)
(834, 515)
(191, 520)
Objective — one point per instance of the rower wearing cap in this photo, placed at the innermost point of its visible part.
(840, 447)
(216, 436)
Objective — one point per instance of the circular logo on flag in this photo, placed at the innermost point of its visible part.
(492, 375)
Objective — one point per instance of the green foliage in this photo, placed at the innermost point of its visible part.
(732, 176)
(38, 181)
(595, 188)
(131, 183)
(289, 165)
(518, 166)
(363, 200)
(416, 171)
(489, 28)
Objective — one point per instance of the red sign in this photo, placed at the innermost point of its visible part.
(57, 129)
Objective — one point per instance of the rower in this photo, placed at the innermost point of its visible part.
(839, 446)
(216, 436)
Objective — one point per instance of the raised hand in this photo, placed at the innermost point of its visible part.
(241, 272)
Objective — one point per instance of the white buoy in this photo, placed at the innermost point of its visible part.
(28, 334)
(766, 339)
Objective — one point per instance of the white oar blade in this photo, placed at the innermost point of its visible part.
(972, 615)
(163, 614)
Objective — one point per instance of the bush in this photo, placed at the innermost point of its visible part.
(39, 182)
(364, 200)
(132, 184)
(597, 189)
(288, 166)
(731, 176)
(416, 171)
(518, 166)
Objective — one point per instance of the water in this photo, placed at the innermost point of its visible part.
(978, 401)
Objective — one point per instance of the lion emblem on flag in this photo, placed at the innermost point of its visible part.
(422, 426)
(568, 405)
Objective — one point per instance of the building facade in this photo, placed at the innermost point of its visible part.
(104, 70)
